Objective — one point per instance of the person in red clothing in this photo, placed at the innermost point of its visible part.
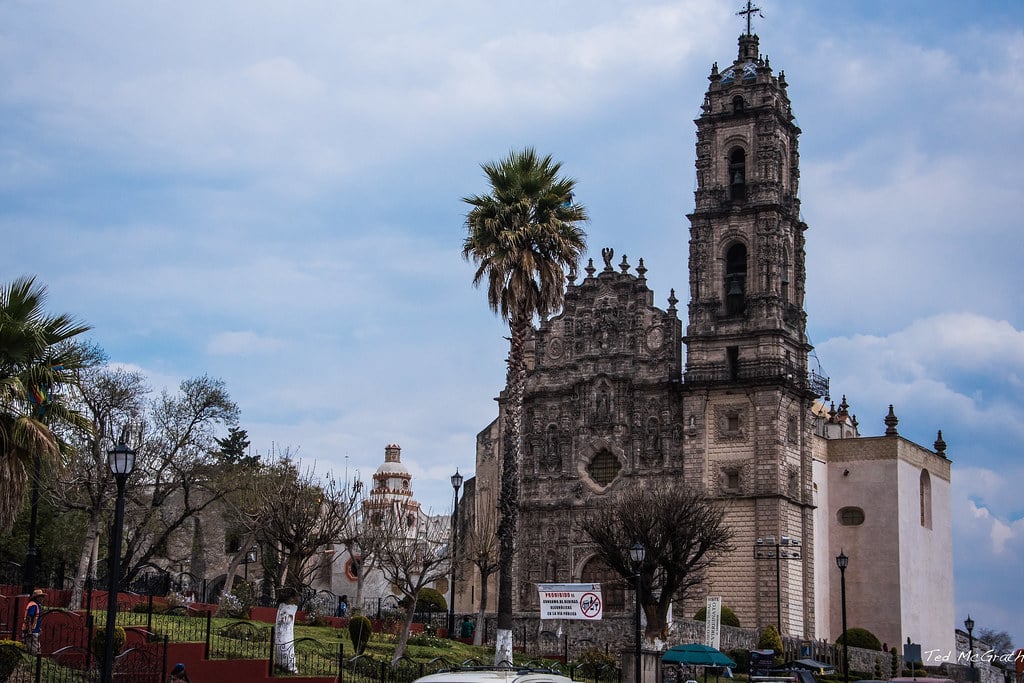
(33, 621)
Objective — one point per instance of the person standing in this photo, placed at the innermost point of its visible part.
(33, 621)
(466, 631)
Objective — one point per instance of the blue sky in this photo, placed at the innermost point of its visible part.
(269, 193)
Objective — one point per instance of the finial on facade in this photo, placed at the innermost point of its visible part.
(832, 411)
(844, 408)
(571, 277)
(940, 445)
(624, 266)
(607, 253)
(590, 268)
(672, 300)
(890, 422)
(767, 64)
(640, 270)
(714, 69)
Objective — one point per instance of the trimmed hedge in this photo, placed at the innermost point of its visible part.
(860, 637)
(729, 617)
(359, 630)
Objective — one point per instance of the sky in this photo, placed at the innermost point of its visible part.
(270, 194)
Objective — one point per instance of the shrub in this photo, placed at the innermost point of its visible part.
(230, 606)
(596, 659)
(860, 637)
(430, 600)
(359, 630)
(430, 640)
(742, 659)
(99, 641)
(176, 599)
(729, 617)
(10, 656)
(318, 608)
(245, 591)
(771, 640)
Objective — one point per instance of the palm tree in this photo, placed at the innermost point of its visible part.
(36, 359)
(521, 237)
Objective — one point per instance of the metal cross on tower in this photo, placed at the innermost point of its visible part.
(749, 11)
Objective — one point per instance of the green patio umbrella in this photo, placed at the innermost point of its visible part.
(696, 654)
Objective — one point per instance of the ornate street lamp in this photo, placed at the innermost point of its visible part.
(636, 556)
(969, 625)
(121, 461)
(250, 557)
(456, 485)
(842, 561)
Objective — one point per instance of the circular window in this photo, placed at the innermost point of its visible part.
(850, 516)
(352, 569)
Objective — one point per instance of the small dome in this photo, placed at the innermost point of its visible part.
(392, 468)
(747, 71)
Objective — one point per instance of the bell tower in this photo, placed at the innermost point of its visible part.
(747, 391)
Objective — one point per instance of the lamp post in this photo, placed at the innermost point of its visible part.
(636, 556)
(456, 485)
(786, 548)
(842, 561)
(250, 557)
(121, 461)
(969, 625)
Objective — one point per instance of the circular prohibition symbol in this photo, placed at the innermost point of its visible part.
(590, 605)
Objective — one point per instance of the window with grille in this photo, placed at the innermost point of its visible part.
(604, 468)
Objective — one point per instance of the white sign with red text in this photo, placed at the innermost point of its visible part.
(570, 601)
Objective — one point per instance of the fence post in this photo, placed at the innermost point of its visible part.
(39, 667)
(88, 641)
(149, 617)
(16, 618)
(270, 658)
(383, 672)
(209, 623)
(163, 658)
(341, 661)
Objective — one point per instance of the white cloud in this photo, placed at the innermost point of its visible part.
(245, 343)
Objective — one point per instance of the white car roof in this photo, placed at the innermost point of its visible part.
(495, 676)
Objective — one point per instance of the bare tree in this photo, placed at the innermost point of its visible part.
(110, 399)
(481, 550)
(1000, 641)
(300, 514)
(682, 532)
(412, 551)
(176, 474)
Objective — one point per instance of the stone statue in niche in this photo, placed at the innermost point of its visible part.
(603, 407)
(551, 459)
(652, 440)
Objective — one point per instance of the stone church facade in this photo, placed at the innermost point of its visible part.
(611, 402)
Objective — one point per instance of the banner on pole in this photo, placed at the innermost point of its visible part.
(713, 621)
(570, 601)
